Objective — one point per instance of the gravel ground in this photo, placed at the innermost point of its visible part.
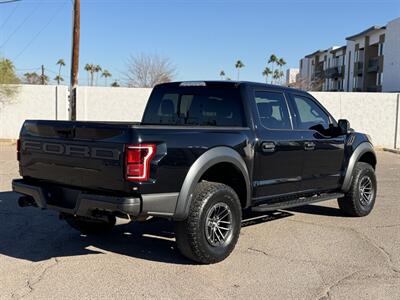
(312, 252)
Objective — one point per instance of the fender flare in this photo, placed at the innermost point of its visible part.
(354, 158)
(199, 167)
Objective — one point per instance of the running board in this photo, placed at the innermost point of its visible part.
(296, 202)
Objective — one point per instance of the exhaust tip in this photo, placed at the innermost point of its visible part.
(25, 201)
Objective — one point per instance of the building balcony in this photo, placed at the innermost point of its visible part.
(358, 68)
(334, 72)
(375, 64)
(318, 74)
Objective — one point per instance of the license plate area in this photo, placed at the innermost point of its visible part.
(61, 197)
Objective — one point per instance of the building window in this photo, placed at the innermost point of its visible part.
(380, 49)
(340, 84)
(356, 55)
(379, 78)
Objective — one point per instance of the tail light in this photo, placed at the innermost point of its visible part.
(18, 149)
(138, 158)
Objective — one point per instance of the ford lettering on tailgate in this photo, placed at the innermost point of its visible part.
(71, 150)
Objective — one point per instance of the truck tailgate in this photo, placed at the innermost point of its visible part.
(80, 154)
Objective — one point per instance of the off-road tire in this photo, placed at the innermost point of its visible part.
(351, 203)
(191, 233)
(91, 226)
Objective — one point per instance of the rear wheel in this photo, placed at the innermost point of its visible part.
(360, 199)
(91, 226)
(211, 231)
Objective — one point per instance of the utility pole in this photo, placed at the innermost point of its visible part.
(75, 57)
(42, 76)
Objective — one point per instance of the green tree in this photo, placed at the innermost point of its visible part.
(7, 72)
(89, 68)
(267, 71)
(273, 59)
(222, 74)
(281, 62)
(60, 63)
(97, 70)
(277, 75)
(32, 78)
(239, 64)
(58, 78)
(105, 74)
(8, 81)
(115, 84)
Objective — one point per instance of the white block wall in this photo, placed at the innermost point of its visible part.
(32, 102)
(372, 113)
(111, 104)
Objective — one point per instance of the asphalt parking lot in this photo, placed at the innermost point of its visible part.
(313, 252)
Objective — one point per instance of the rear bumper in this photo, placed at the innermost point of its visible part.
(77, 202)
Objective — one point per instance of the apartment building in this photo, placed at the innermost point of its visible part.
(369, 62)
(292, 75)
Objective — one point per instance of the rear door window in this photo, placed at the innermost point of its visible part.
(195, 106)
(272, 109)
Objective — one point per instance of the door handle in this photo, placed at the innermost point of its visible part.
(268, 147)
(309, 146)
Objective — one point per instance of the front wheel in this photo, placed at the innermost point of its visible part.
(360, 199)
(211, 231)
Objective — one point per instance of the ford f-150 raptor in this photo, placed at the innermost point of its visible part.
(203, 153)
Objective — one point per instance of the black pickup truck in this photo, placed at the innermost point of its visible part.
(203, 153)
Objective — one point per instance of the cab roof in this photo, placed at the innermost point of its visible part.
(228, 84)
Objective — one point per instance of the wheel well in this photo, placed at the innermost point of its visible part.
(230, 175)
(368, 158)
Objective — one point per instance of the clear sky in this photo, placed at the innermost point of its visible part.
(201, 37)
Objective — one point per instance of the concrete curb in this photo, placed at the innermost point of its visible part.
(395, 151)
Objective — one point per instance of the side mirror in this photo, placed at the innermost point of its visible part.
(344, 126)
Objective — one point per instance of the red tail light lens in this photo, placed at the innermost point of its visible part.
(18, 149)
(138, 158)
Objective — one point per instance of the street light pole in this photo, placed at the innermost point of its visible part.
(75, 58)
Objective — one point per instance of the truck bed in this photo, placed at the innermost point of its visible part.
(90, 155)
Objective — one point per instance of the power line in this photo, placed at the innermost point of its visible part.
(9, 1)
(21, 24)
(9, 16)
(40, 31)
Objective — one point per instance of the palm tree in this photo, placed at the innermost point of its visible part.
(277, 75)
(105, 74)
(281, 62)
(239, 64)
(222, 74)
(60, 63)
(58, 78)
(88, 68)
(267, 71)
(97, 69)
(273, 59)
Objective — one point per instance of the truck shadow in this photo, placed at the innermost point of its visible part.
(34, 235)
(317, 210)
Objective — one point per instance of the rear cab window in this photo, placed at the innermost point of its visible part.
(195, 105)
